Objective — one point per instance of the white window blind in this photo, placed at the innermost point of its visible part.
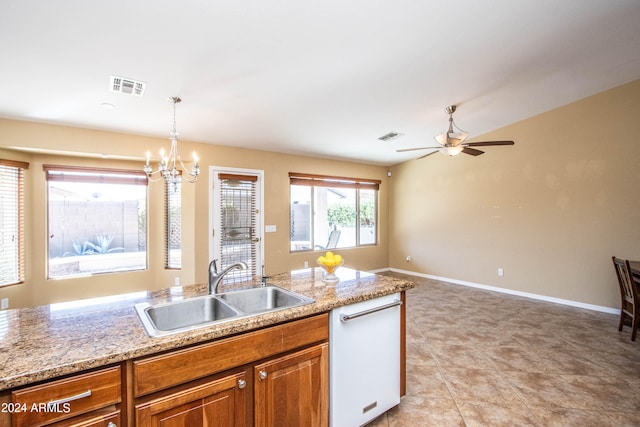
(173, 226)
(12, 221)
(238, 224)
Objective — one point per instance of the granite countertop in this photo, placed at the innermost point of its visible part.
(45, 342)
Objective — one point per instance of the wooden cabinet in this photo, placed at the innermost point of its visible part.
(293, 390)
(86, 394)
(273, 376)
(220, 403)
(290, 390)
(277, 375)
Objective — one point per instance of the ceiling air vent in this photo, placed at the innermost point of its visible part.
(391, 135)
(127, 86)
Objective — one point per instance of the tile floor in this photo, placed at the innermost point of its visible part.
(480, 358)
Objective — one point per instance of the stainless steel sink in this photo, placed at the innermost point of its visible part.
(178, 316)
(263, 299)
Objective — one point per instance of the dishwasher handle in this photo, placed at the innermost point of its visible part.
(347, 317)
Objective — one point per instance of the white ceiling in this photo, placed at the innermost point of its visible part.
(322, 78)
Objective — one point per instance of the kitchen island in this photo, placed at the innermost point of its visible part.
(49, 342)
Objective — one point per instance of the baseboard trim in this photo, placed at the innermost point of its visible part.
(539, 297)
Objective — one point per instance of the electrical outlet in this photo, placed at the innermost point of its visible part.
(500, 272)
(4, 303)
(306, 264)
(177, 281)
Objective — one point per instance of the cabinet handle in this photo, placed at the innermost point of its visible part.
(242, 384)
(70, 398)
(112, 424)
(263, 375)
(347, 317)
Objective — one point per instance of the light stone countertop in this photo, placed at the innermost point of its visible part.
(49, 341)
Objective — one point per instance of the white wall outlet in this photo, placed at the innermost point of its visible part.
(306, 264)
(500, 272)
(270, 228)
(176, 281)
(408, 258)
(4, 303)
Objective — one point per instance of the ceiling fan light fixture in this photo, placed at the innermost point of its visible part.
(452, 150)
(451, 143)
(451, 138)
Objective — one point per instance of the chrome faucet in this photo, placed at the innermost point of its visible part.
(215, 278)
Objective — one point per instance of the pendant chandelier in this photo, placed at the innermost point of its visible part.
(171, 167)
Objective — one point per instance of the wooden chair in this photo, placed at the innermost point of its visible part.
(630, 297)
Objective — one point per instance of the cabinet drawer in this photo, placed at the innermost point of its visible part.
(156, 373)
(102, 418)
(65, 398)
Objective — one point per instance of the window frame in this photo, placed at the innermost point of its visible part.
(328, 181)
(19, 169)
(97, 175)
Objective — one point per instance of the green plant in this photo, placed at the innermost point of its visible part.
(367, 213)
(342, 215)
(102, 245)
(79, 248)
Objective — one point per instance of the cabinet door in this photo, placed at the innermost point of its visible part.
(216, 403)
(293, 390)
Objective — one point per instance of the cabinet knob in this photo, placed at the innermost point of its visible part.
(263, 375)
(112, 424)
(242, 384)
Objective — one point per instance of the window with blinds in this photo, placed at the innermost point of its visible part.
(97, 220)
(173, 226)
(12, 221)
(237, 227)
(329, 212)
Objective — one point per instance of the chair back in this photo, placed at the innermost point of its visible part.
(334, 236)
(626, 282)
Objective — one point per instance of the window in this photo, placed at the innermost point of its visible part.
(332, 212)
(12, 221)
(97, 220)
(173, 226)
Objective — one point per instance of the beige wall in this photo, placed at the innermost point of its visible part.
(60, 144)
(550, 211)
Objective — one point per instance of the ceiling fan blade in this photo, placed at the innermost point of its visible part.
(488, 143)
(428, 154)
(413, 149)
(472, 151)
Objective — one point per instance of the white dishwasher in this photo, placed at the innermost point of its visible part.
(364, 360)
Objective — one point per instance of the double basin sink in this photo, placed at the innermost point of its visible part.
(197, 312)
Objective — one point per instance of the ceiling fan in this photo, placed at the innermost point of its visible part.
(452, 143)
